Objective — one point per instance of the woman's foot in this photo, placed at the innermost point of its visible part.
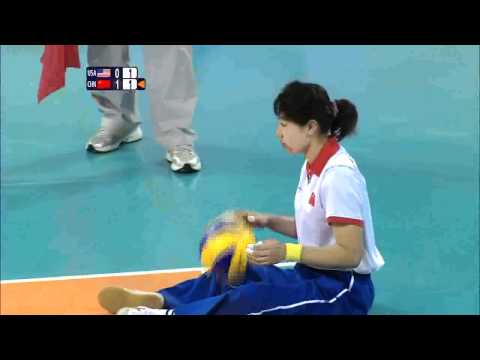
(142, 310)
(114, 298)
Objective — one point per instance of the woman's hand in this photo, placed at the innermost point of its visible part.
(268, 252)
(255, 219)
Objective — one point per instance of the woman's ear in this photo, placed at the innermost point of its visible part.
(312, 127)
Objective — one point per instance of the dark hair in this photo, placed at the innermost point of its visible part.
(300, 102)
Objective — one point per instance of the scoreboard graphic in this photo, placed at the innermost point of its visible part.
(114, 78)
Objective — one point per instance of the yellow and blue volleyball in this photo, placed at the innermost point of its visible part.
(223, 248)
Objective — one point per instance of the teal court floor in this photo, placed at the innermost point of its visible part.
(67, 212)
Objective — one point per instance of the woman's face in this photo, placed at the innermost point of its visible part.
(293, 137)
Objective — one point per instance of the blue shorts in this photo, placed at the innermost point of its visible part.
(269, 290)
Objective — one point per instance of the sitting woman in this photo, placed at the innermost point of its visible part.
(336, 250)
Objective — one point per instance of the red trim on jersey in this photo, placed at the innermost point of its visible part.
(342, 220)
(311, 201)
(327, 151)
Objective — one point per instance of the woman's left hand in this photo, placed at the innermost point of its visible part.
(269, 252)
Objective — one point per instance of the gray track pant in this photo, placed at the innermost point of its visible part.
(171, 87)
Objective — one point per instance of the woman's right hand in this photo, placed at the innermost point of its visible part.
(255, 219)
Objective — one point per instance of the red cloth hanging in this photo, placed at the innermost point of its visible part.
(56, 59)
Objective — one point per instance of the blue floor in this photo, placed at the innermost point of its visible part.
(68, 212)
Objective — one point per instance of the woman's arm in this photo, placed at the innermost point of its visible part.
(345, 254)
(282, 224)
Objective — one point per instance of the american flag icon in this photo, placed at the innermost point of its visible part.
(103, 73)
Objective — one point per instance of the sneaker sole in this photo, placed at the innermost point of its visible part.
(187, 168)
(114, 298)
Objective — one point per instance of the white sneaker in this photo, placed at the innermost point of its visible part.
(143, 310)
(183, 159)
(107, 140)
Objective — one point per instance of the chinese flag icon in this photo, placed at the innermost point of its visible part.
(141, 84)
(103, 84)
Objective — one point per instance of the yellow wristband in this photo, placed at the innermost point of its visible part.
(293, 252)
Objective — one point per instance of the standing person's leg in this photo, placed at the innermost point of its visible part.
(172, 91)
(120, 121)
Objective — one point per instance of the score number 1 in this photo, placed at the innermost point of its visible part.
(129, 78)
(117, 79)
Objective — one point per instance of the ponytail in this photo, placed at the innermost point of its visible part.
(345, 119)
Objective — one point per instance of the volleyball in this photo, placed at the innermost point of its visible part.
(223, 248)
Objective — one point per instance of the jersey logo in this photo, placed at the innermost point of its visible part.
(312, 199)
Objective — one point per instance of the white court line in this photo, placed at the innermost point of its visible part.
(133, 273)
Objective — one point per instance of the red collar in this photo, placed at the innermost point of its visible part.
(327, 151)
